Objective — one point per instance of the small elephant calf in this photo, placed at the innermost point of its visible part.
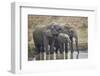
(62, 43)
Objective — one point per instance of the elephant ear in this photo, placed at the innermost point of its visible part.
(48, 33)
(71, 31)
(53, 30)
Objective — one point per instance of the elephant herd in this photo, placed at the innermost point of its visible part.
(55, 38)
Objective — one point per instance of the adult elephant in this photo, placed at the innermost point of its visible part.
(73, 36)
(38, 41)
(67, 30)
(44, 38)
(72, 33)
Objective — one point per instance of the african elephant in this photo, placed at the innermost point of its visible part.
(72, 33)
(47, 36)
(62, 44)
(44, 37)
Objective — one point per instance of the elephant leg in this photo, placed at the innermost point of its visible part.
(52, 48)
(41, 58)
(55, 52)
(72, 50)
(44, 55)
(37, 52)
(63, 51)
(41, 53)
(46, 52)
(52, 51)
(45, 46)
(61, 56)
(66, 50)
(54, 55)
(76, 41)
(61, 47)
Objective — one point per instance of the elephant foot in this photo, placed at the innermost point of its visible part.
(38, 57)
(77, 57)
(54, 56)
(51, 56)
(66, 55)
(41, 56)
(71, 56)
(44, 56)
(57, 55)
(47, 56)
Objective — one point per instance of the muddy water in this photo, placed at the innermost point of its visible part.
(82, 55)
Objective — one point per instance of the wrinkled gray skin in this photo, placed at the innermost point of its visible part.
(61, 43)
(38, 40)
(71, 32)
(43, 37)
(48, 36)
